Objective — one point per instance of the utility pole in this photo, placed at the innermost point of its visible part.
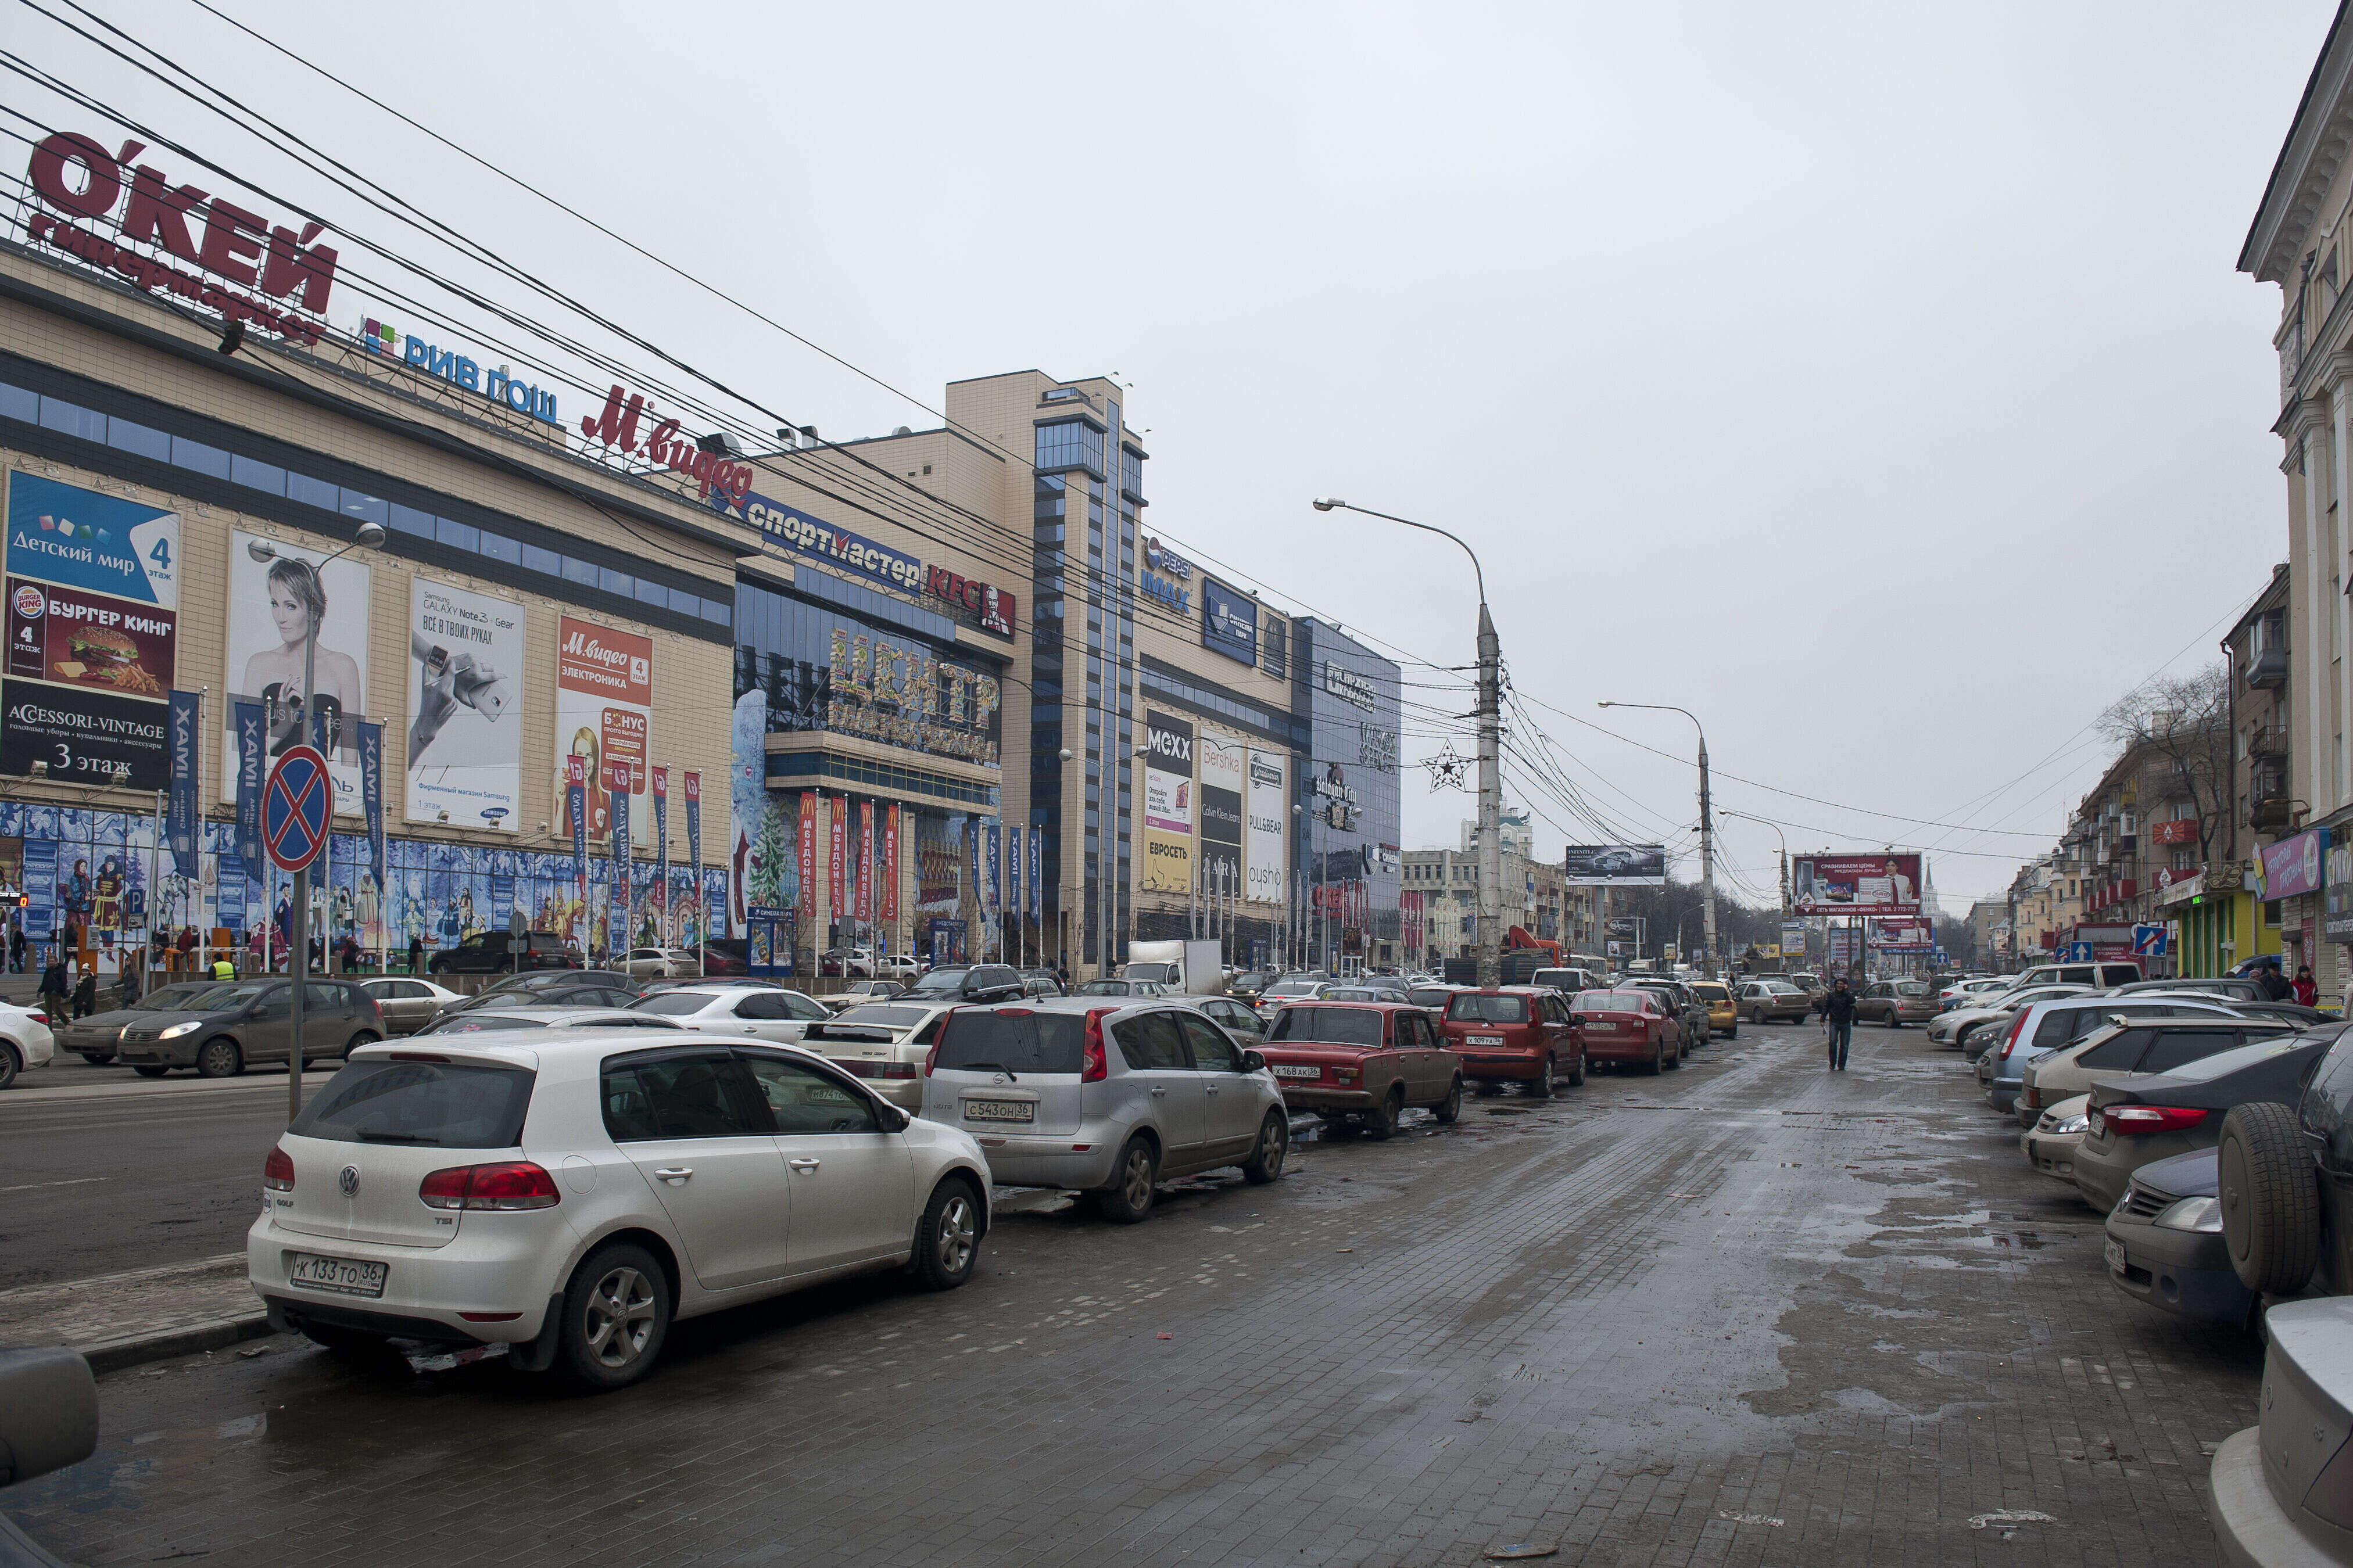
(1706, 859)
(1490, 801)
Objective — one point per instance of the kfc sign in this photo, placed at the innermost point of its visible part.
(994, 606)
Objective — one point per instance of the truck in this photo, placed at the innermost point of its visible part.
(1188, 968)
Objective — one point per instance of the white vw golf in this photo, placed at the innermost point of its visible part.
(572, 1193)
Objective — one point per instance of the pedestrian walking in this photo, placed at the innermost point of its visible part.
(187, 946)
(2307, 989)
(1838, 1010)
(53, 991)
(130, 987)
(416, 953)
(2275, 986)
(15, 947)
(85, 995)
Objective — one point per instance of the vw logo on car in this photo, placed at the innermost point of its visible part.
(349, 1181)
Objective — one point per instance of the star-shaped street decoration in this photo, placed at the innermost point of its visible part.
(1447, 770)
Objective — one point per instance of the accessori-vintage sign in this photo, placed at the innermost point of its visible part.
(76, 176)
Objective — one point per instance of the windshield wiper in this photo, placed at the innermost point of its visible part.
(1010, 1075)
(366, 1136)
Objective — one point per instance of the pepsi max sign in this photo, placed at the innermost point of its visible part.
(1229, 622)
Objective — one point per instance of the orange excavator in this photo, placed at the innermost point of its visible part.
(1518, 939)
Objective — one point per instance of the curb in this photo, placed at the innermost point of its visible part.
(136, 1350)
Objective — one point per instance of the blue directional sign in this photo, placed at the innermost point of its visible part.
(2148, 941)
(294, 809)
(2075, 952)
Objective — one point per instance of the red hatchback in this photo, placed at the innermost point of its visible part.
(1515, 1033)
(1629, 1027)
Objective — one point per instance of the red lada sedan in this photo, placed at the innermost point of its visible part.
(1629, 1027)
(1360, 1064)
(1514, 1034)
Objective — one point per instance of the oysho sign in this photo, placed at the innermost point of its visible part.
(76, 176)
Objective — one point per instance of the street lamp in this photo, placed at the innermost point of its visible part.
(1491, 776)
(1785, 852)
(1706, 826)
(367, 537)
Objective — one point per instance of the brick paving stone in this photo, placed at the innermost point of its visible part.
(1591, 1323)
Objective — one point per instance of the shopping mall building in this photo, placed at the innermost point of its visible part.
(785, 673)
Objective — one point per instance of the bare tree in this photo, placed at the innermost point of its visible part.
(2182, 723)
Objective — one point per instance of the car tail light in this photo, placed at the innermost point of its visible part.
(1344, 1074)
(932, 1057)
(897, 1070)
(509, 1184)
(277, 1172)
(2126, 1119)
(1094, 1066)
(2009, 1041)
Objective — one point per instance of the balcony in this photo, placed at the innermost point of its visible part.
(2267, 741)
(2266, 665)
(2274, 815)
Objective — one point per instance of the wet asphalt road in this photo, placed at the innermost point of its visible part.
(109, 1172)
(1749, 1312)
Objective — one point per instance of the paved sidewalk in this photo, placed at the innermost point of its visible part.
(144, 1314)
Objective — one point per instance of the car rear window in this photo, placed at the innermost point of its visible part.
(1328, 1026)
(440, 1105)
(673, 1003)
(1712, 993)
(982, 1041)
(2238, 1057)
(1606, 1001)
(1470, 1007)
(1429, 996)
(477, 1023)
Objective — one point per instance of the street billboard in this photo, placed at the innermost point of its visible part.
(271, 603)
(93, 599)
(1615, 865)
(465, 707)
(1168, 786)
(1225, 780)
(604, 712)
(1269, 827)
(1882, 882)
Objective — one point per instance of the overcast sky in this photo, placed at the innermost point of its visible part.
(1873, 381)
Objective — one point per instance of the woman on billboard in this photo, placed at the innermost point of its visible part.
(297, 600)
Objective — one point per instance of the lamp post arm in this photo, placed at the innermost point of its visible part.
(1476, 570)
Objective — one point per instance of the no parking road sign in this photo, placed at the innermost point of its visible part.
(294, 808)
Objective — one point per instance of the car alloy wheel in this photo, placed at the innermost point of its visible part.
(957, 1237)
(1129, 1201)
(618, 1319)
(1273, 1146)
(8, 1063)
(219, 1058)
(1546, 1080)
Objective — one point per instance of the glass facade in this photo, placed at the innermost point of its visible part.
(825, 669)
(1352, 827)
(1068, 444)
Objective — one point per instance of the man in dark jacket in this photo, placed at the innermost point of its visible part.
(2275, 986)
(53, 991)
(1838, 1007)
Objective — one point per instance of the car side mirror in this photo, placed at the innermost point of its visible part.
(1253, 1062)
(48, 1413)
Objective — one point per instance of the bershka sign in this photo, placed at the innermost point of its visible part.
(616, 427)
(76, 176)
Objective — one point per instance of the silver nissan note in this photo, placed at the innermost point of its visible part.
(1065, 1091)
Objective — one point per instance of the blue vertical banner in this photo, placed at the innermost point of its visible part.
(370, 737)
(694, 821)
(661, 850)
(576, 801)
(972, 863)
(1034, 895)
(40, 889)
(250, 739)
(1013, 873)
(616, 925)
(186, 719)
(989, 885)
